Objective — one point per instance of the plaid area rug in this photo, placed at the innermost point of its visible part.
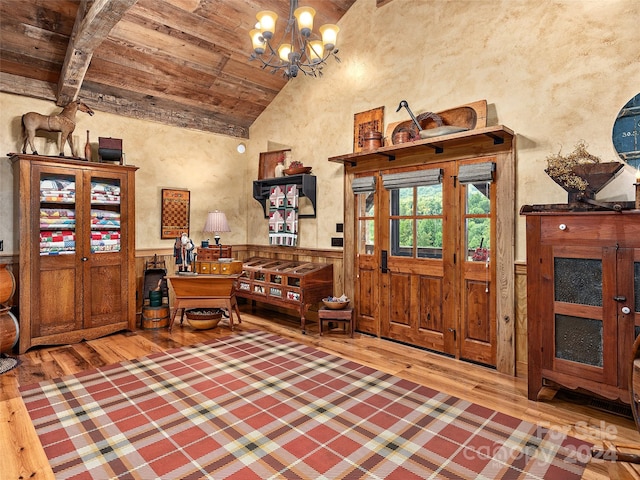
(255, 406)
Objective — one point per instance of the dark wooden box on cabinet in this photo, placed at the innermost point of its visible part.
(288, 284)
(110, 149)
(214, 252)
(583, 279)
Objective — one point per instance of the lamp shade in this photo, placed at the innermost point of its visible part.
(257, 41)
(216, 222)
(329, 34)
(316, 49)
(267, 20)
(305, 15)
(284, 51)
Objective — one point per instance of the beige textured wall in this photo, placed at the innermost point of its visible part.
(553, 71)
(168, 157)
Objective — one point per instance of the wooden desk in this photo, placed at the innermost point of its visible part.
(205, 291)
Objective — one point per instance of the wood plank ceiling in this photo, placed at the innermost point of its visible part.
(179, 62)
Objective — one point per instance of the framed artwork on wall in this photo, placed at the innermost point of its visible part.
(371, 120)
(268, 162)
(175, 213)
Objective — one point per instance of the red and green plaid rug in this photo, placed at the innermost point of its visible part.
(255, 406)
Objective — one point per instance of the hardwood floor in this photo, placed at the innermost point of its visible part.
(22, 456)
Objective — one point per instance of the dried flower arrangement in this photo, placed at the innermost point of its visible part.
(562, 168)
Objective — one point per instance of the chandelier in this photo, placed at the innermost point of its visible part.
(299, 49)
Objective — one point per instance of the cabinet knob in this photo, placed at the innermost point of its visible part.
(562, 227)
(626, 310)
(84, 259)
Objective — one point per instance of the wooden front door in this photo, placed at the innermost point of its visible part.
(423, 268)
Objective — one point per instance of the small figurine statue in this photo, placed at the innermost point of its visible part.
(183, 251)
(279, 170)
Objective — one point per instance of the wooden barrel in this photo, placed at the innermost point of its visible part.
(9, 331)
(7, 284)
(155, 317)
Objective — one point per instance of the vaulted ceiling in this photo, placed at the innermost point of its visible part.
(180, 62)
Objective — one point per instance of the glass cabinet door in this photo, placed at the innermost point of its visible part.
(578, 281)
(585, 325)
(103, 260)
(57, 214)
(105, 215)
(56, 245)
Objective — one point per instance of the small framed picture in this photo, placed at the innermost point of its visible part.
(175, 213)
(371, 120)
(268, 162)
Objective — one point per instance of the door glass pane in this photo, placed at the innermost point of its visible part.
(578, 280)
(478, 199)
(402, 237)
(57, 214)
(429, 200)
(478, 222)
(365, 204)
(429, 238)
(478, 239)
(579, 340)
(402, 201)
(366, 237)
(105, 215)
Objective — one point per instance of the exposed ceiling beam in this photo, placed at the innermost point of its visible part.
(27, 87)
(93, 23)
(143, 108)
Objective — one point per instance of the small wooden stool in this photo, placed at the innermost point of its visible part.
(344, 315)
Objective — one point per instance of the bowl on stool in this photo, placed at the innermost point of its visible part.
(335, 304)
(204, 318)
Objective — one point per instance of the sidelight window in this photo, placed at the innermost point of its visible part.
(478, 222)
(478, 179)
(364, 189)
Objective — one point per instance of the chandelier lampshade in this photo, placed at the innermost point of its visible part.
(298, 49)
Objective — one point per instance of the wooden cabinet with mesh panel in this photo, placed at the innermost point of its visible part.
(583, 299)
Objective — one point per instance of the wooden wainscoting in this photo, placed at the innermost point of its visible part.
(521, 318)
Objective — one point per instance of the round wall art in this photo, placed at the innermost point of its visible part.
(626, 132)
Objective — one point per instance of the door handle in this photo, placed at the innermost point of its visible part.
(384, 257)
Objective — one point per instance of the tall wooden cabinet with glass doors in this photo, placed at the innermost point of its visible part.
(77, 269)
(429, 239)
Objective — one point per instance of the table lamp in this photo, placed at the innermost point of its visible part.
(216, 222)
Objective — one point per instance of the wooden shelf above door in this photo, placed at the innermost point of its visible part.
(480, 141)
